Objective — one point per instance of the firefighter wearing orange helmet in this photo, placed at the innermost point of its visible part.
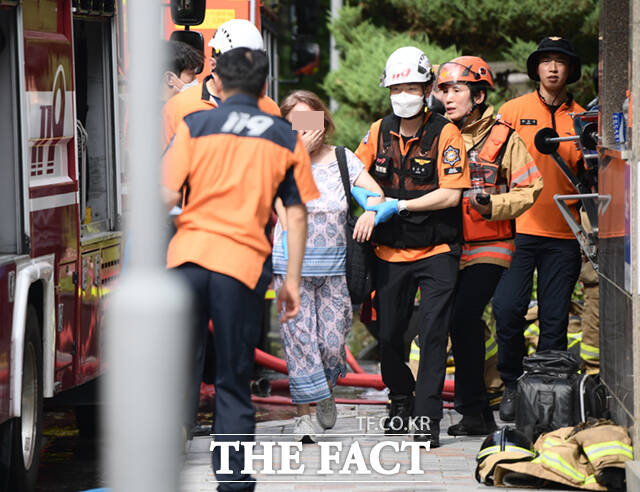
(506, 182)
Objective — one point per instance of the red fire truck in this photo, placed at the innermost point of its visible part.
(62, 190)
(61, 203)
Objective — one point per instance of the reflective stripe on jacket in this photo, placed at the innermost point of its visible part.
(572, 457)
(525, 184)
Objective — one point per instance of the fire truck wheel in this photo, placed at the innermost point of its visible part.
(27, 430)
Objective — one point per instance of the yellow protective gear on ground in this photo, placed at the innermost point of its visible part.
(559, 460)
(571, 456)
(487, 467)
(605, 445)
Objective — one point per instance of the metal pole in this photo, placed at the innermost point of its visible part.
(145, 337)
(252, 11)
(334, 57)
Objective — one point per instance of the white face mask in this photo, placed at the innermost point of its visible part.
(406, 105)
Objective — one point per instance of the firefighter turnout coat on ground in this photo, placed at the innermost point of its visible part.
(573, 456)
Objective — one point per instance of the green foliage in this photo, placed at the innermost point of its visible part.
(355, 85)
(483, 27)
(519, 50)
(367, 33)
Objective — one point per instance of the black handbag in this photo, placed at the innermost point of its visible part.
(359, 255)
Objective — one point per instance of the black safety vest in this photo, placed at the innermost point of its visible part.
(411, 176)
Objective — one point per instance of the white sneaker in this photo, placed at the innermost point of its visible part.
(304, 429)
(326, 412)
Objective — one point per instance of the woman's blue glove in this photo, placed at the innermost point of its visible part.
(285, 245)
(385, 210)
(361, 195)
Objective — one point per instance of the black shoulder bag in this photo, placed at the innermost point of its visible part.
(359, 255)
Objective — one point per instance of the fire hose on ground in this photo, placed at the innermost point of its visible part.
(355, 379)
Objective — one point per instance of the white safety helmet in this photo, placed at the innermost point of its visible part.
(236, 33)
(406, 65)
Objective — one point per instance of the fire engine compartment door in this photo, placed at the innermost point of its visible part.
(10, 180)
(93, 55)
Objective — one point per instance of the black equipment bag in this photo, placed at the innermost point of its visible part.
(359, 255)
(547, 396)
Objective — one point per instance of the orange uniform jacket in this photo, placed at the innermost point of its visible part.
(235, 160)
(450, 142)
(525, 184)
(528, 114)
(198, 98)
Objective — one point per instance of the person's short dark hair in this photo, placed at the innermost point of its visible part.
(181, 57)
(243, 69)
(475, 90)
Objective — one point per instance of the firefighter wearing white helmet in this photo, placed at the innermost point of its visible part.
(418, 159)
(407, 65)
(235, 33)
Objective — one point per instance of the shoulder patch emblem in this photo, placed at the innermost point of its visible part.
(366, 137)
(451, 155)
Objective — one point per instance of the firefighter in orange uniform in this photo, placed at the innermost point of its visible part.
(544, 241)
(418, 159)
(235, 33)
(501, 165)
(182, 63)
(235, 160)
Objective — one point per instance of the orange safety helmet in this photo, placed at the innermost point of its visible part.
(466, 69)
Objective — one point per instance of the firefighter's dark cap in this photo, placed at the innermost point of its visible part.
(555, 44)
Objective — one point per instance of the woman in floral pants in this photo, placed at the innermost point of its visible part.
(314, 341)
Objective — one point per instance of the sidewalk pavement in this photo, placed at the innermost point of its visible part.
(450, 467)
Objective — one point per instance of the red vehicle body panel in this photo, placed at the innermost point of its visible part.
(80, 273)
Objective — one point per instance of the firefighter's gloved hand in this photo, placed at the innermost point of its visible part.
(285, 246)
(385, 210)
(361, 195)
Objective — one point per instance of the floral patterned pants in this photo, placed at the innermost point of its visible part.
(314, 341)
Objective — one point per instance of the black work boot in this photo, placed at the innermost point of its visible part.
(428, 430)
(489, 420)
(474, 425)
(400, 411)
(470, 425)
(508, 404)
